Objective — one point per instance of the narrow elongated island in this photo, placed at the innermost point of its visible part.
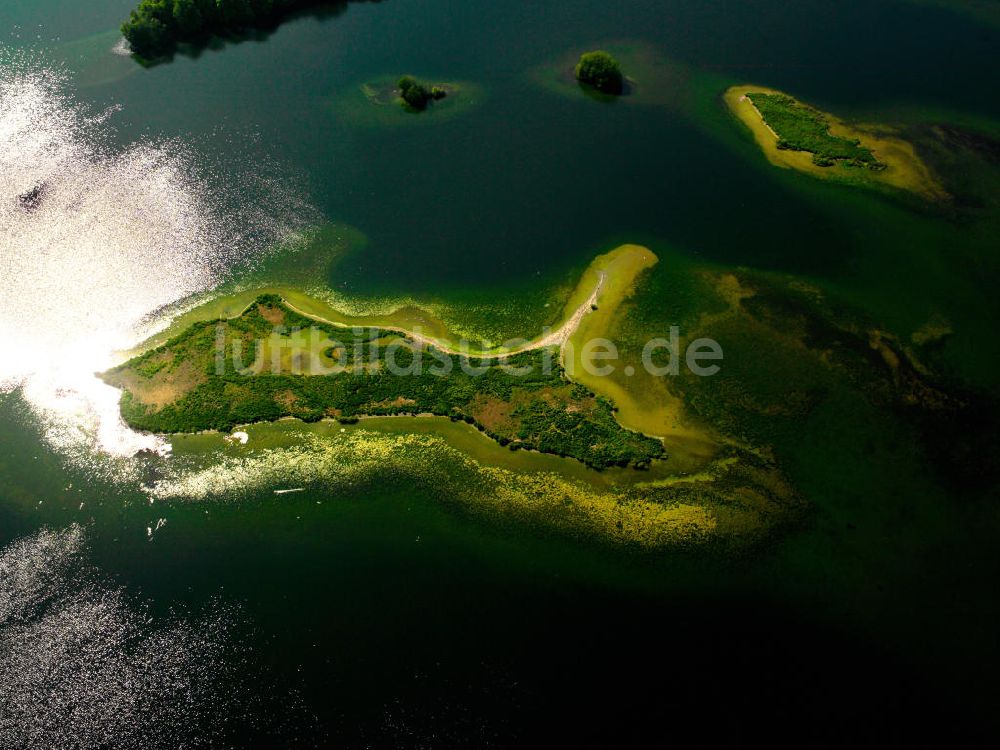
(794, 135)
(802, 128)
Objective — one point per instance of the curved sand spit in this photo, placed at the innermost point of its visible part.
(557, 337)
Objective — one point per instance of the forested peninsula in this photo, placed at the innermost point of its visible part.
(156, 27)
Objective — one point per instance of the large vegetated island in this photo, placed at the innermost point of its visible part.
(183, 386)
(156, 27)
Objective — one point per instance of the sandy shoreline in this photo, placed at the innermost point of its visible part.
(554, 338)
(905, 169)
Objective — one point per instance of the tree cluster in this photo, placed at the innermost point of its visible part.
(155, 27)
(417, 95)
(602, 71)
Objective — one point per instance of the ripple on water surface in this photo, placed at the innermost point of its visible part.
(84, 665)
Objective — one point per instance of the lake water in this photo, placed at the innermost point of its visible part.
(375, 609)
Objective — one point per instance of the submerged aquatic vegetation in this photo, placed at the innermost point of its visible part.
(735, 501)
(721, 480)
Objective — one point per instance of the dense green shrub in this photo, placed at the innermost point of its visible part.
(416, 94)
(602, 71)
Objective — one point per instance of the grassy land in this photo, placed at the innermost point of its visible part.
(802, 128)
(180, 387)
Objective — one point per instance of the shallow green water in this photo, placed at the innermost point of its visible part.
(401, 619)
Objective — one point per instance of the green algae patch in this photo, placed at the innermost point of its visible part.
(771, 323)
(378, 103)
(793, 135)
(329, 456)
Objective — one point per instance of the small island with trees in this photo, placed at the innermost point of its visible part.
(602, 71)
(416, 95)
(403, 101)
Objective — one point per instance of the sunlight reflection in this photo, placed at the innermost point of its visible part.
(93, 239)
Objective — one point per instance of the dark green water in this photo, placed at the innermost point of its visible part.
(393, 618)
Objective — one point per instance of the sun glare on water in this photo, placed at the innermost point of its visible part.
(95, 238)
